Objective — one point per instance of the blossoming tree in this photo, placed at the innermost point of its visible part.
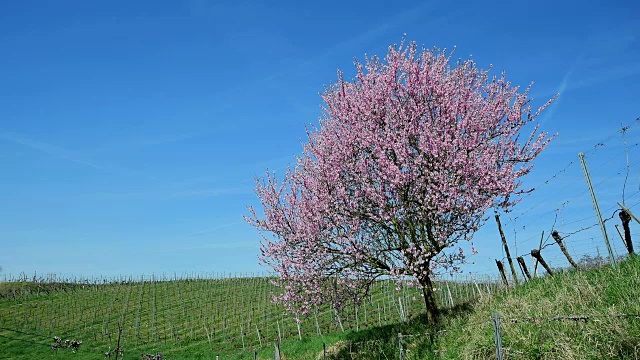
(407, 159)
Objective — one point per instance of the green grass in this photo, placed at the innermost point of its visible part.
(528, 328)
(190, 319)
(173, 317)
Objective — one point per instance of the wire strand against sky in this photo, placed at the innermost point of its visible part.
(595, 147)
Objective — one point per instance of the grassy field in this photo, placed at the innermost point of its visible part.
(591, 314)
(187, 318)
(571, 315)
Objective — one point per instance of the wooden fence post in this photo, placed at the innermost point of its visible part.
(536, 254)
(523, 266)
(558, 240)
(400, 346)
(506, 250)
(626, 218)
(629, 212)
(502, 274)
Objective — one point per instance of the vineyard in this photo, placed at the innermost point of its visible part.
(215, 315)
(592, 313)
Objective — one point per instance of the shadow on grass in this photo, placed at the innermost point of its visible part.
(383, 342)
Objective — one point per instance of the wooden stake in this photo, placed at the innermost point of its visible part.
(242, 337)
(504, 276)
(626, 218)
(476, 284)
(629, 212)
(279, 333)
(208, 336)
(449, 292)
(315, 314)
(523, 266)
(506, 250)
(536, 254)
(259, 337)
(558, 240)
(535, 261)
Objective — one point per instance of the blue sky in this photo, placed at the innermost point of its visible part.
(131, 132)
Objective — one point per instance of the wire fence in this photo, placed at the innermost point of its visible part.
(562, 204)
(200, 307)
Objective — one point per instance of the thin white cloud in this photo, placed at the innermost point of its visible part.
(217, 246)
(619, 72)
(215, 228)
(548, 114)
(210, 192)
(396, 20)
(137, 143)
(214, 244)
(51, 150)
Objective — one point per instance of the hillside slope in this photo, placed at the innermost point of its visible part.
(592, 314)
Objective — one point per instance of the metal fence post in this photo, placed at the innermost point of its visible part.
(496, 334)
(276, 353)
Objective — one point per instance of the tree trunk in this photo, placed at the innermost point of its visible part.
(429, 300)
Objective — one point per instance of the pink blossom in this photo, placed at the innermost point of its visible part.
(405, 162)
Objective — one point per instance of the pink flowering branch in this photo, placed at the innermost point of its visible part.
(407, 159)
